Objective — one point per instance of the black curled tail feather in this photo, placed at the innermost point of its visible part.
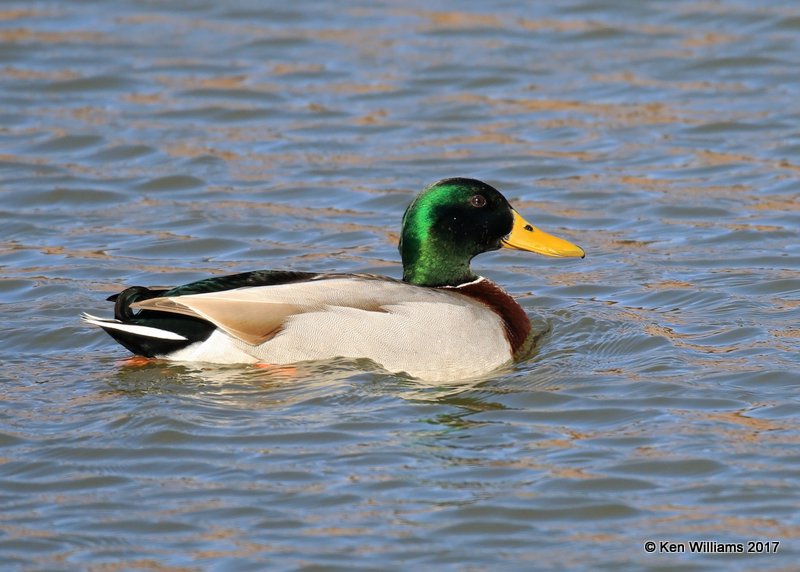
(123, 301)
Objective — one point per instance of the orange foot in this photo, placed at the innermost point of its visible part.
(136, 360)
(284, 369)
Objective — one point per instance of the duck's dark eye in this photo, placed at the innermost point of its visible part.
(478, 201)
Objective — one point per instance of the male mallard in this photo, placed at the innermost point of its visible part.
(441, 322)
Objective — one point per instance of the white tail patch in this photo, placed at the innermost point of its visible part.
(131, 328)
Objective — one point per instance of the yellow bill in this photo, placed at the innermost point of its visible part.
(525, 236)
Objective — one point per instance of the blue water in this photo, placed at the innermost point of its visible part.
(155, 144)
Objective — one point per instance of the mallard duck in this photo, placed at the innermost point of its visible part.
(440, 322)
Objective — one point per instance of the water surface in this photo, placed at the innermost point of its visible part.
(146, 143)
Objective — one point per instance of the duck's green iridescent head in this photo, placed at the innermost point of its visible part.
(456, 219)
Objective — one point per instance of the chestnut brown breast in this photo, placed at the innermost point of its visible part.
(516, 322)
